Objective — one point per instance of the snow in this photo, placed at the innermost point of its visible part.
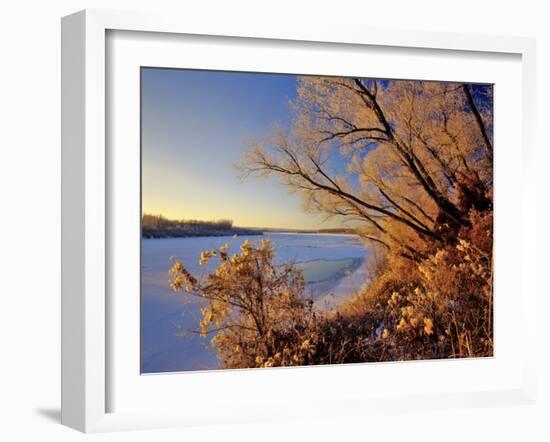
(334, 267)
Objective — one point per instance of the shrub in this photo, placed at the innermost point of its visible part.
(441, 307)
(255, 311)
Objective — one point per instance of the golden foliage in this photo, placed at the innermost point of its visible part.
(255, 310)
(417, 160)
(443, 307)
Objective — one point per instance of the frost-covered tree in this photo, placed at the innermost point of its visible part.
(417, 154)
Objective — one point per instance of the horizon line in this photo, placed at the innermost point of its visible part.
(238, 226)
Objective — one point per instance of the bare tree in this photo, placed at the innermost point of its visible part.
(417, 156)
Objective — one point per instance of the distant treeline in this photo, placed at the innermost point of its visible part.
(157, 226)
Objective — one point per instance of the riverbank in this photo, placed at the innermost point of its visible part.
(199, 233)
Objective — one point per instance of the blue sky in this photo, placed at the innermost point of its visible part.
(194, 128)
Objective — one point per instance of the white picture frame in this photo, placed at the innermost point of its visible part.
(86, 352)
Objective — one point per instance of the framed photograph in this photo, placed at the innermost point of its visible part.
(263, 223)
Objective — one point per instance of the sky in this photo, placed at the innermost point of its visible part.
(194, 128)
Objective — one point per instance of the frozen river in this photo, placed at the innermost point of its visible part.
(334, 268)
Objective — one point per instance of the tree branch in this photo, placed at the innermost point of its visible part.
(479, 120)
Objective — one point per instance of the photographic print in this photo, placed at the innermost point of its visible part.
(293, 220)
